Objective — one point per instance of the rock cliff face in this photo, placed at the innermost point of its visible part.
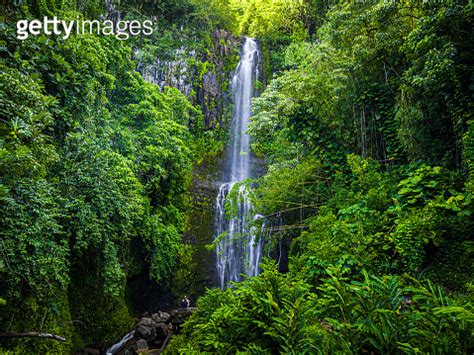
(203, 76)
(214, 96)
(174, 72)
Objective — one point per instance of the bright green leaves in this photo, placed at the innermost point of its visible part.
(277, 18)
(384, 223)
(461, 203)
(25, 148)
(421, 185)
(270, 312)
(428, 213)
(165, 160)
(94, 168)
(162, 235)
(301, 107)
(334, 313)
(104, 204)
(370, 84)
(35, 252)
(105, 196)
(31, 231)
(431, 186)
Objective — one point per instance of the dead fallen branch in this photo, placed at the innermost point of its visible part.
(31, 335)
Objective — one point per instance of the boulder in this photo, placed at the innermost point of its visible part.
(180, 315)
(141, 345)
(145, 332)
(147, 322)
(162, 331)
(161, 317)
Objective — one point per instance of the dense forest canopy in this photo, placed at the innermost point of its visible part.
(364, 120)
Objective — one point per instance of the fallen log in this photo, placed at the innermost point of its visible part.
(31, 335)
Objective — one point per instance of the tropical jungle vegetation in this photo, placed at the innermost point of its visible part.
(364, 120)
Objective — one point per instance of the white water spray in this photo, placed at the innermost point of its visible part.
(120, 344)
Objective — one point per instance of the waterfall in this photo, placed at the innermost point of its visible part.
(238, 251)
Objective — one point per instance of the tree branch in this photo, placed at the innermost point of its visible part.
(31, 335)
(165, 343)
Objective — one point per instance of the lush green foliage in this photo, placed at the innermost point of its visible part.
(95, 164)
(403, 198)
(366, 126)
(322, 310)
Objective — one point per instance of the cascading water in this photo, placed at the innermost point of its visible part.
(120, 344)
(238, 250)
